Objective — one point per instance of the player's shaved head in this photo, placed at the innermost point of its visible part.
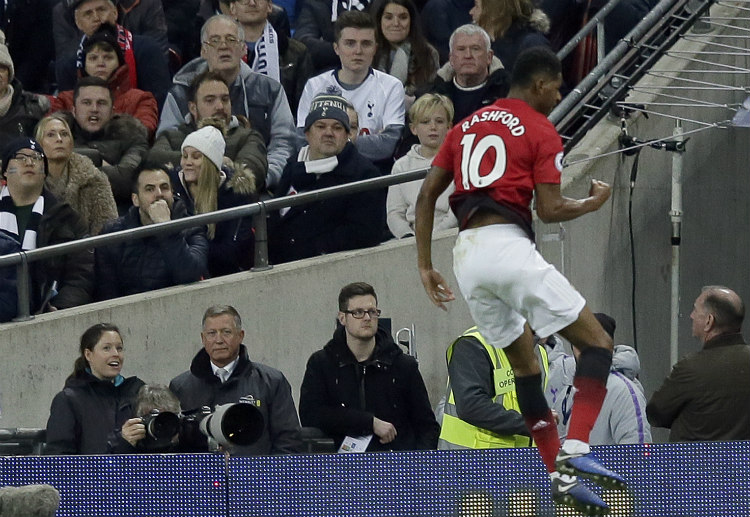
(532, 63)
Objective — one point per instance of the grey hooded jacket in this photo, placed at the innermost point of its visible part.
(622, 419)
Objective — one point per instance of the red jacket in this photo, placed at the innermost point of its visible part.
(138, 103)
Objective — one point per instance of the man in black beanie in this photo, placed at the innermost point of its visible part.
(350, 222)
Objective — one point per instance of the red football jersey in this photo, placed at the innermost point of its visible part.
(504, 150)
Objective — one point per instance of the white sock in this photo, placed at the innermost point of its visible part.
(576, 447)
(567, 478)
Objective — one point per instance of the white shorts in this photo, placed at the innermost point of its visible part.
(506, 282)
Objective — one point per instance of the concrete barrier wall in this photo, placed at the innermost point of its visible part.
(289, 312)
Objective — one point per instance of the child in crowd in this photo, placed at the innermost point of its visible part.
(430, 118)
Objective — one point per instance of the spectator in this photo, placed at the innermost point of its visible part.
(73, 178)
(32, 216)
(706, 395)
(362, 384)
(481, 409)
(622, 419)
(164, 260)
(145, 50)
(353, 123)
(315, 28)
(377, 96)
(440, 18)
(271, 52)
(23, 22)
(278, 17)
(131, 438)
(96, 397)
(8, 283)
(513, 26)
(19, 110)
(350, 222)
(403, 51)
(430, 118)
(473, 78)
(255, 96)
(222, 372)
(183, 30)
(103, 58)
(209, 98)
(117, 143)
(205, 185)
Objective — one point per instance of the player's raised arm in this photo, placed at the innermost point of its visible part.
(435, 183)
(553, 207)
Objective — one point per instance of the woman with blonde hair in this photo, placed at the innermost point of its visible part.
(206, 184)
(513, 26)
(73, 178)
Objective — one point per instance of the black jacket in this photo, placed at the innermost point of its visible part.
(341, 396)
(155, 262)
(231, 249)
(8, 294)
(86, 411)
(345, 223)
(200, 387)
(26, 109)
(74, 273)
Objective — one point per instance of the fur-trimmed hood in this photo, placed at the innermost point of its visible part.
(123, 126)
(540, 21)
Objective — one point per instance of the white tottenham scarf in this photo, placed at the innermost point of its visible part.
(266, 60)
(9, 223)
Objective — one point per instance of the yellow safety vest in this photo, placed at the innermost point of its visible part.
(458, 434)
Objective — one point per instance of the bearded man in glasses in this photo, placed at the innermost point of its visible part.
(32, 218)
(361, 389)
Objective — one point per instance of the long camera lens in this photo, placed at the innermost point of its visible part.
(234, 424)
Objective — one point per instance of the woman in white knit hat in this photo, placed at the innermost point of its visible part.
(206, 184)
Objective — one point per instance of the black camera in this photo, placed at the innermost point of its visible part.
(161, 428)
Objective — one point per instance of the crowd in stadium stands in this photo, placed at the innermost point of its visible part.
(122, 85)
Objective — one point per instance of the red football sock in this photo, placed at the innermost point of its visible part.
(544, 433)
(587, 402)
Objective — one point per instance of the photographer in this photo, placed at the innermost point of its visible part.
(152, 399)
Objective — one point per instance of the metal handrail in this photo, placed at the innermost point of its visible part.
(595, 22)
(258, 210)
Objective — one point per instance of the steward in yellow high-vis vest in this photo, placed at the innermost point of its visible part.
(481, 407)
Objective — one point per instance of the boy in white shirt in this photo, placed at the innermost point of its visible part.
(430, 118)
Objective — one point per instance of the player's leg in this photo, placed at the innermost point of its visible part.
(590, 381)
(531, 401)
(566, 488)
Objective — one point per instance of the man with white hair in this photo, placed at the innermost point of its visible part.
(473, 77)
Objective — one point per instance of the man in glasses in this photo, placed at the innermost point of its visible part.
(362, 389)
(256, 97)
(33, 218)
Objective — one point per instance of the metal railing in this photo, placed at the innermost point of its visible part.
(258, 211)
